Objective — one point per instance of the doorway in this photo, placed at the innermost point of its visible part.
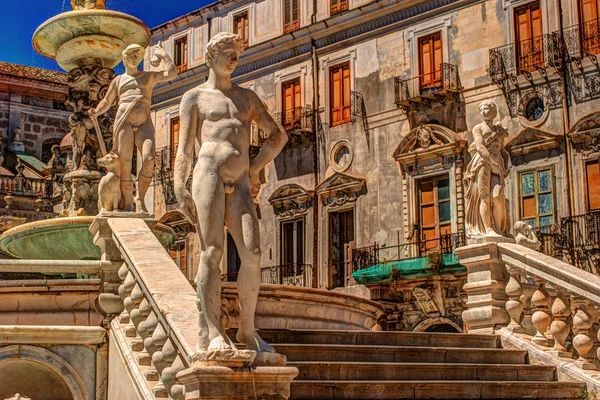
(341, 235)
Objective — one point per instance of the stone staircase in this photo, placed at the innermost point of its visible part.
(409, 365)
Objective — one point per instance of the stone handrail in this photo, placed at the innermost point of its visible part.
(549, 304)
(158, 303)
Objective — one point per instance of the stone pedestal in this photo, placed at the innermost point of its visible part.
(221, 382)
(486, 283)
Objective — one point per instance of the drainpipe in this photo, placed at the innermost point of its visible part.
(564, 78)
(315, 110)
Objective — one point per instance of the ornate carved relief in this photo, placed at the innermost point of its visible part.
(290, 201)
(586, 135)
(341, 189)
(531, 140)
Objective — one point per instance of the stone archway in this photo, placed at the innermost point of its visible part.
(429, 324)
(32, 370)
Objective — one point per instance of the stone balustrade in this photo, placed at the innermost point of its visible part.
(153, 299)
(542, 304)
(154, 306)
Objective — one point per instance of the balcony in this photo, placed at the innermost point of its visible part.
(296, 119)
(523, 58)
(420, 258)
(580, 41)
(163, 173)
(293, 274)
(423, 89)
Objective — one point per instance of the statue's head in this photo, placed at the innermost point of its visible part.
(488, 109)
(223, 51)
(522, 228)
(133, 55)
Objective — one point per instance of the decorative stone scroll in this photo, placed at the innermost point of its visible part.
(290, 201)
(341, 189)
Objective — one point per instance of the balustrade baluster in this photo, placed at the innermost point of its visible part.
(132, 303)
(124, 290)
(541, 317)
(514, 306)
(559, 328)
(162, 361)
(582, 324)
(169, 375)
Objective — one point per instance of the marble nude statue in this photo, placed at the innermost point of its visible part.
(218, 114)
(485, 186)
(133, 125)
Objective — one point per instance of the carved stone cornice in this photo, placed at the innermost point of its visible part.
(290, 201)
(340, 189)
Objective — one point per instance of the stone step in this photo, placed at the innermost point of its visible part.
(379, 338)
(412, 354)
(363, 371)
(359, 390)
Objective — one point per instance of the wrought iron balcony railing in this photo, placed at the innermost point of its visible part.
(524, 57)
(581, 241)
(580, 41)
(293, 274)
(426, 87)
(365, 257)
(296, 119)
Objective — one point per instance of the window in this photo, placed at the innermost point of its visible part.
(537, 198)
(291, 20)
(292, 242)
(590, 30)
(177, 254)
(181, 51)
(339, 94)
(430, 60)
(434, 211)
(291, 103)
(240, 27)
(592, 169)
(528, 34)
(338, 6)
(341, 235)
(174, 132)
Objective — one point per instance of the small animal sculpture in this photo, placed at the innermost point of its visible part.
(109, 189)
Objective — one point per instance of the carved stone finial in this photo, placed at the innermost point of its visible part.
(88, 4)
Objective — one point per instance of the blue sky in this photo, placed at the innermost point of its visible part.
(21, 19)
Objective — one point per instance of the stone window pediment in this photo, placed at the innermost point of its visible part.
(427, 147)
(586, 134)
(290, 201)
(531, 140)
(340, 189)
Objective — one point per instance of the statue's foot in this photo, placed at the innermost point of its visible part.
(254, 342)
(220, 344)
(491, 232)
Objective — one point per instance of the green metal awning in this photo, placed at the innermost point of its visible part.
(407, 269)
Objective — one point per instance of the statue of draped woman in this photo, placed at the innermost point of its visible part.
(485, 184)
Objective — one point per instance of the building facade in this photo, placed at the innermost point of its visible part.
(379, 99)
(33, 119)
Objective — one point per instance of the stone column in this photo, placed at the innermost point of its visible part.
(486, 284)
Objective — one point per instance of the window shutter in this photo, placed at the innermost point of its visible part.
(295, 15)
(334, 7)
(593, 183)
(425, 61)
(346, 92)
(536, 21)
(589, 10)
(437, 57)
(336, 95)
(174, 139)
(287, 15)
